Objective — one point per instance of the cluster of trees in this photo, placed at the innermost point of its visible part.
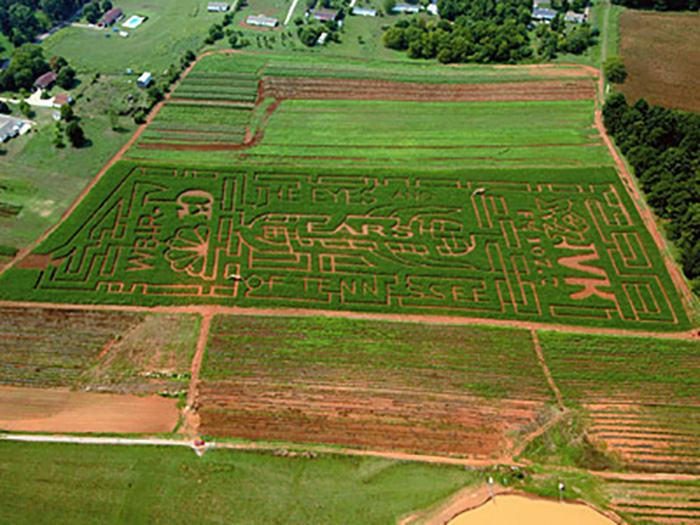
(73, 130)
(663, 147)
(463, 41)
(22, 20)
(157, 90)
(470, 31)
(661, 5)
(216, 31)
(28, 63)
(94, 10)
(309, 33)
(555, 38)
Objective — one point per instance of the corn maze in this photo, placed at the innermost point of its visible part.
(563, 251)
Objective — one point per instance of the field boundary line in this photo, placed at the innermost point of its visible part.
(191, 418)
(545, 369)
(692, 334)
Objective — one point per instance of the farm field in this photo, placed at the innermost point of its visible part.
(642, 396)
(470, 242)
(311, 113)
(52, 348)
(655, 502)
(50, 483)
(66, 411)
(660, 52)
(103, 351)
(387, 386)
(170, 30)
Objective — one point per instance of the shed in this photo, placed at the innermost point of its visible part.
(363, 11)
(322, 39)
(110, 17)
(326, 16)
(45, 81)
(261, 21)
(217, 7)
(144, 80)
(62, 99)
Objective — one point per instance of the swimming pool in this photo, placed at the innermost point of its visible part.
(134, 21)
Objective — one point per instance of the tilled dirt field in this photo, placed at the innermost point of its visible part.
(409, 420)
(60, 410)
(351, 89)
(359, 384)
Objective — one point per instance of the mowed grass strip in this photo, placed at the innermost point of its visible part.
(51, 483)
(642, 396)
(436, 124)
(434, 389)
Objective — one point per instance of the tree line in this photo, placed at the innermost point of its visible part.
(23, 20)
(480, 31)
(663, 146)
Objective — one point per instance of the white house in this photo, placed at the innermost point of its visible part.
(261, 21)
(363, 11)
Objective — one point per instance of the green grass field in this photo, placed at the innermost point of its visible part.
(42, 483)
(171, 29)
(509, 244)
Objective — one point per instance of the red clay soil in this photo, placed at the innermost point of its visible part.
(60, 410)
(283, 88)
(414, 420)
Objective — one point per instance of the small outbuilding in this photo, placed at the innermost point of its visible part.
(261, 21)
(144, 80)
(61, 100)
(45, 81)
(326, 16)
(217, 7)
(363, 11)
(110, 17)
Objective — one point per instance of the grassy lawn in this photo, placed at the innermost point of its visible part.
(45, 180)
(171, 29)
(42, 483)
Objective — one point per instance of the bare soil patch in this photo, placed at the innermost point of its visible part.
(60, 410)
(661, 57)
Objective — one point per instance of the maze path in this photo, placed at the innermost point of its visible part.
(568, 252)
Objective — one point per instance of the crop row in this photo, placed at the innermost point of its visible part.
(655, 502)
(446, 389)
(53, 347)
